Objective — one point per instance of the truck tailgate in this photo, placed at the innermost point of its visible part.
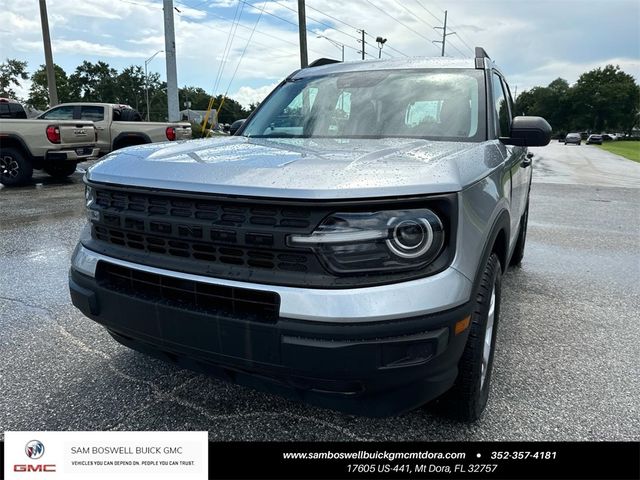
(77, 133)
(183, 132)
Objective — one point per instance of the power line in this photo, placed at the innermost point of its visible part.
(401, 23)
(355, 28)
(428, 24)
(245, 48)
(389, 47)
(228, 44)
(271, 14)
(428, 11)
(321, 23)
(210, 13)
(458, 35)
(315, 20)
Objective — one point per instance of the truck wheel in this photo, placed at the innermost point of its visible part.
(469, 395)
(60, 170)
(518, 251)
(15, 169)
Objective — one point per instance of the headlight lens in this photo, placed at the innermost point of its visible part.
(89, 196)
(89, 200)
(392, 240)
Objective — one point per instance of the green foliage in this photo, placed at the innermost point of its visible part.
(12, 72)
(39, 92)
(603, 99)
(99, 82)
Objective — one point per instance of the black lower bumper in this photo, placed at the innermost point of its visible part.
(374, 369)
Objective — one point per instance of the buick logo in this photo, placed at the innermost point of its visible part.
(34, 449)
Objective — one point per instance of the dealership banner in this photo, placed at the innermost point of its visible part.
(106, 455)
(183, 456)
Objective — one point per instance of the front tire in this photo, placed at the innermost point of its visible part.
(15, 169)
(60, 170)
(469, 395)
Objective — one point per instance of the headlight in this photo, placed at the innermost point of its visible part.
(392, 240)
(89, 200)
(89, 196)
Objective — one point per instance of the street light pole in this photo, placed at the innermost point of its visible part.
(146, 79)
(381, 41)
(333, 42)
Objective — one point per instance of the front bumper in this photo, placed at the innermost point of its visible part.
(375, 367)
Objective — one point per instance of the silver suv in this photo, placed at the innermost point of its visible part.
(345, 247)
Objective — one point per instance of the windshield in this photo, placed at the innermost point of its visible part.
(437, 104)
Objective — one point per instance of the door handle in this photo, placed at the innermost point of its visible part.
(99, 128)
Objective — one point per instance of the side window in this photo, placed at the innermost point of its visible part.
(501, 108)
(507, 91)
(92, 112)
(4, 110)
(290, 119)
(60, 113)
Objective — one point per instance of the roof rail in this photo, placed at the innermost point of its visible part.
(322, 61)
(480, 56)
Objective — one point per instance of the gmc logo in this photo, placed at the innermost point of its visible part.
(34, 468)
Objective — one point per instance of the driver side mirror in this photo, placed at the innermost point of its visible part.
(528, 132)
(235, 126)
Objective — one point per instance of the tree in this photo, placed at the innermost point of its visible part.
(94, 82)
(12, 72)
(130, 87)
(39, 90)
(607, 99)
(252, 107)
(603, 99)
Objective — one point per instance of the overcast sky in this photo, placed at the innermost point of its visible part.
(533, 41)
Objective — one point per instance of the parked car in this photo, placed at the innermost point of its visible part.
(345, 247)
(597, 139)
(10, 108)
(53, 146)
(119, 126)
(573, 138)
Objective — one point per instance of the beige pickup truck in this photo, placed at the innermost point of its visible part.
(55, 146)
(119, 125)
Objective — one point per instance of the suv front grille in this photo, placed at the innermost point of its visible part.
(217, 237)
(235, 238)
(229, 255)
(256, 305)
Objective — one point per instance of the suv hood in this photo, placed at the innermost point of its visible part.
(296, 168)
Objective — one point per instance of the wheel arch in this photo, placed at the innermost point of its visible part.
(126, 139)
(13, 141)
(497, 242)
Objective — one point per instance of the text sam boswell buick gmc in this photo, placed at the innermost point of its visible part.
(345, 247)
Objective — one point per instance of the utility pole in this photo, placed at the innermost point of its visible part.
(172, 76)
(444, 33)
(302, 30)
(363, 54)
(48, 56)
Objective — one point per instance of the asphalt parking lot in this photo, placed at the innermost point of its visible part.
(566, 364)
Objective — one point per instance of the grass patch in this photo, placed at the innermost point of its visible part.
(627, 149)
